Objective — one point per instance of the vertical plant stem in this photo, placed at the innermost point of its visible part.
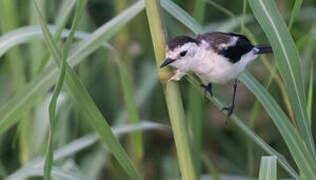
(172, 93)
(244, 9)
(36, 48)
(295, 11)
(196, 104)
(9, 22)
(310, 94)
(196, 101)
(253, 118)
(136, 144)
(210, 166)
(199, 11)
(126, 76)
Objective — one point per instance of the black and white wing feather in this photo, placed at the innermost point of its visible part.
(231, 45)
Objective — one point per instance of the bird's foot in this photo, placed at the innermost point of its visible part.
(177, 75)
(229, 109)
(207, 88)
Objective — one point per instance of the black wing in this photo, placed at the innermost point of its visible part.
(233, 51)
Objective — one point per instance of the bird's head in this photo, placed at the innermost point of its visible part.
(180, 52)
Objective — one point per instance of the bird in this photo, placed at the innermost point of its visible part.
(215, 57)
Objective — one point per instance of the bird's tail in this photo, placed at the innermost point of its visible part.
(263, 49)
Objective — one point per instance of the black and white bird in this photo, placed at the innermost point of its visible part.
(215, 57)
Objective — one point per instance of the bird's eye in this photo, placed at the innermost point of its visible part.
(183, 53)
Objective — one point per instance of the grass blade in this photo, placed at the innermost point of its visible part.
(196, 102)
(128, 91)
(310, 94)
(172, 93)
(268, 168)
(287, 61)
(294, 13)
(9, 21)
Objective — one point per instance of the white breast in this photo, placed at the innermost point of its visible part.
(214, 68)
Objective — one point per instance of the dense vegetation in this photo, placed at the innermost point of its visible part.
(82, 97)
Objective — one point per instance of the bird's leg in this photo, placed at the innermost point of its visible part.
(230, 109)
(208, 88)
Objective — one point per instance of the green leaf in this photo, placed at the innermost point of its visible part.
(287, 61)
(268, 168)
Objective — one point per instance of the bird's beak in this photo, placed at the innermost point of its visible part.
(166, 62)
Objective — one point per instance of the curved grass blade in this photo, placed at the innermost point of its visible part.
(287, 61)
(268, 168)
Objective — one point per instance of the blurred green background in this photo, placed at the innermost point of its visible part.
(225, 150)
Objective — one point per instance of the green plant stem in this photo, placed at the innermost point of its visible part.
(126, 75)
(36, 49)
(310, 94)
(171, 91)
(9, 22)
(244, 9)
(294, 12)
(130, 103)
(196, 101)
(253, 118)
(210, 166)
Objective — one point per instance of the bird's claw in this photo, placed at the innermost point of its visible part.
(229, 109)
(207, 88)
(177, 75)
